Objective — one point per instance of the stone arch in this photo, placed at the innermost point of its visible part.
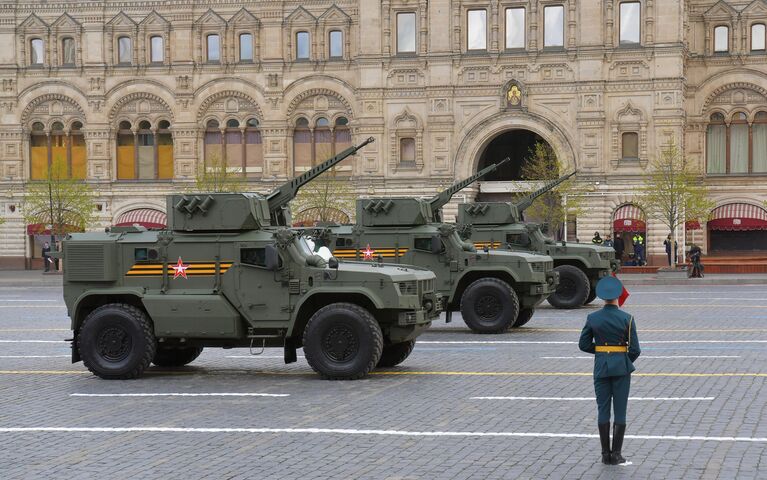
(293, 106)
(482, 133)
(307, 87)
(137, 98)
(226, 95)
(51, 99)
(740, 85)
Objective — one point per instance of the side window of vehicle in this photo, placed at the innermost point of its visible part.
(141, 255)
(424, 244)
(344, 242)
(255, 257)
(514, 238)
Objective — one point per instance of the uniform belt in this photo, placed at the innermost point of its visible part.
(611, 348)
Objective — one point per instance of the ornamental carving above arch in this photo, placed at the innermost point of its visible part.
(51, 104)
(140, 103)
(736, 93)
(229, 102)
(335, 101)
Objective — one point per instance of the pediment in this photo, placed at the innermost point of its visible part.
(243, 17)
(33, 21)
(300, 15)
(121, 20)
(210, 18)
(756, 8)
(335, 14)
(406, 120)
(628, 114)
(154, 19)
(65, 22)
(720, 9)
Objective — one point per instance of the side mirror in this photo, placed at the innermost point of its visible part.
(272, 259)
(436, 244)
(333, 263)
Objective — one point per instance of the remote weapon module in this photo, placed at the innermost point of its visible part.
(225, 273)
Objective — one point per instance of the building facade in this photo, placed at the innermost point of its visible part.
(136, 96)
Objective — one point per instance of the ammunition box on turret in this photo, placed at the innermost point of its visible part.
(489, 213)
(219, 212)
(380, 212)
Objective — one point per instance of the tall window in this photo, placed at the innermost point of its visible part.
(68, 52)
(246, 47)
(716, 145)
(67, 147)
(630, 145)
(515, 28)
(476, 21)
(554, 26)
(36, 55)
(145, 153)
(313, 144)
(214, 48)
(407, 152)
(234, 155)
(302, 46)
(406, 32)
(157, 49)
(757, 37)
(721, 39)
(739, 143)
(759, 143)
(336, 44)
(214, 152)
(254, 153)
(629, 23)
(238, 148)
(124, 50)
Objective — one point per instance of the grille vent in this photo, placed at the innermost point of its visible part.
(88, 262)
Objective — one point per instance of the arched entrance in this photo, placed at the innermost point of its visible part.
(630, 225)
(517, 144)
(737, 228)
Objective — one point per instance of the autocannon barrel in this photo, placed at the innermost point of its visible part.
(442, 198)
(529, 199)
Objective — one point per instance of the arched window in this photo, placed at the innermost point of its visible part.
(303, 152)
(157, 49)
(317, 142)
(758, 37)
(68, 52)
(144, 153)
(238, 147)
(759, 145)
(343, 136)
(214, 153)
(738, 143)
(61, 148)
(716, 145)
(721, 39)
(323, 141)
(36, 51)
(234, 150)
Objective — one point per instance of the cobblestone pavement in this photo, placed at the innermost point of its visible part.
(699, 412)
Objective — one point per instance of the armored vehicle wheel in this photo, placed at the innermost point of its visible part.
(489, 305)
(342, 341)
(592, 296)
(395, 354)
(175, 357)
(573, 288)
(524, 316)
(116, 341)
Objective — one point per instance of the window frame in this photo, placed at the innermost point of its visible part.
(506, 29)
(727, 121)
(623, 157)
(627, 43)
(41, 63)
(397, 49)
(152, 49)
(751, 37)
(62, 42)
(252, 58)
(469, 12)
(727, 39)
(48, 133)
(130, 47)
(330, 44)
(208, 36)
(564, 23)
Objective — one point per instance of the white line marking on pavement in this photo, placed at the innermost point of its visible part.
(179, 395)
(254, 357)
(35, 356)
(30, 300)
(591, 399)
(342, 431)
(648, 357)
(553, 342)
(32, 341)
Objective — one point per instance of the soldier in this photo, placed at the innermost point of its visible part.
(610, 334)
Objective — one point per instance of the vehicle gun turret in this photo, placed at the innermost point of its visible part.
(233, 212)
(442, 198)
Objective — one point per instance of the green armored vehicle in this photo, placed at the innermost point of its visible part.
(494, 290)
(223, 275)
(493, 225)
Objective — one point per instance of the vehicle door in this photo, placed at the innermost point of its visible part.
(262, 293)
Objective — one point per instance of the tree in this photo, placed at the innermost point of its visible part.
(542, 164)
(61, 203)
(325, 199)
(673, 192)
(215, 177)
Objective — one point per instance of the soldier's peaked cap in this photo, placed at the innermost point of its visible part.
(609, 288)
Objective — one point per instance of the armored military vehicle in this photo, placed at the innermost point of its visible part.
(222, 275)
(494, 225)
(493, 289)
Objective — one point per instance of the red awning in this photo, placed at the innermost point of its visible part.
(629, 218)
(39, 229)
(146, 217)
(692, 225)
(738, 216)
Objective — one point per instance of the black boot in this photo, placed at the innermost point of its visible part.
(618, 431)
(604, 437)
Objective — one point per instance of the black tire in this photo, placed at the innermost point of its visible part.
(395, 354)
(353, 332)
(116, 341)
(176, 357)
(573, 288)
(489, 305)
(524, 316)
(592, 295)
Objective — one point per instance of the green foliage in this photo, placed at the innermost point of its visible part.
(673, 192)
(64, 204)
(326, 199)
(215, 177)
(549, 209)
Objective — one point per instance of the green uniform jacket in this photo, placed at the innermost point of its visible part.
(609, 326)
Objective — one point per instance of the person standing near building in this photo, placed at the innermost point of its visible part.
(597, 240)
(46, 258)
(610, 335)
(608, 241)
(619, 247)
(668, 242)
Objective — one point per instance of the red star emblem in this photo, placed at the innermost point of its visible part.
(180, 269)
(368, 252)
